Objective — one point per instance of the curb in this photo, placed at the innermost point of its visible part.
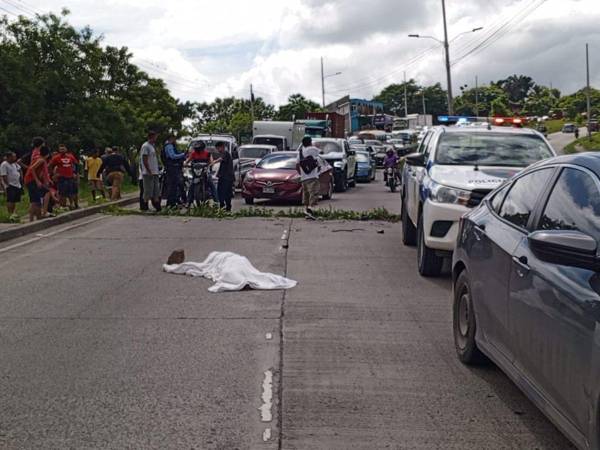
(33, 227)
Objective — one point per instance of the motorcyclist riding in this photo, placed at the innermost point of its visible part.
(390, 160)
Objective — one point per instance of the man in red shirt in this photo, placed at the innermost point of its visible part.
(62, 165)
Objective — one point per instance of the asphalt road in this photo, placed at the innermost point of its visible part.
(560, 140)
(101, 349)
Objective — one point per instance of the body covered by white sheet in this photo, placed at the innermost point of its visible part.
(230, 272)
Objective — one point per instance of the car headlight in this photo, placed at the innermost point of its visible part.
(443, 194)
(338, 164)
(249, 177)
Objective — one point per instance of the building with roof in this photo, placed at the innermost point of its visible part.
(358, 112)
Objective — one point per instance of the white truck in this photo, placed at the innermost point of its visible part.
(412, 121)
(284, 135)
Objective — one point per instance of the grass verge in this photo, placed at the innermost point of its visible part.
(85, 199)
(584, 144)
(209, 211)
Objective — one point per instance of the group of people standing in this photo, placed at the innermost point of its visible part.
(53, 178)
(48, 178)
(174, 162)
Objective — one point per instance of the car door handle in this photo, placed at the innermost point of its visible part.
(522, 265)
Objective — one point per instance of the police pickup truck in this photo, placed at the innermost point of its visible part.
(453, 169)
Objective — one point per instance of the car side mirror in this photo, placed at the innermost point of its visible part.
(416, 159)
(351, 152)
(565, 247)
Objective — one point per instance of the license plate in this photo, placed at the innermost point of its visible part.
(268, 190)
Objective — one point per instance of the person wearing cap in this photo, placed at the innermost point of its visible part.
(150, 170)
(173, 161)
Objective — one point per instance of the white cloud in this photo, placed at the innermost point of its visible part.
(205, 48)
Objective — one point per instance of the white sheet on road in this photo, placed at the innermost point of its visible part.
(230, 272)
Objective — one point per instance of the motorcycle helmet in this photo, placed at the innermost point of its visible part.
(198, 146)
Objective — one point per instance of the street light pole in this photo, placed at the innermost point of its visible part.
(447, 51)
(322, 83)
(323, 76)
(405, 98)
(423, 98)
(476, 96)
(587, 90)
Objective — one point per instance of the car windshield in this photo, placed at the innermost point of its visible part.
(361, 157)
(275, 161)
(328, 146)
(269, 141)
(491, 149)
(254, 153)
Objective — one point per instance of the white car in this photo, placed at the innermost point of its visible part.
(453, 170)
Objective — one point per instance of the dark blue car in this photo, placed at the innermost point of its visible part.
(526, 287)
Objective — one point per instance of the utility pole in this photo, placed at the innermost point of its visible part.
(423, 98)
(447, 51)
(322, 82)
(252, 104)
(405, 98)
(587, 90)
(476, 96)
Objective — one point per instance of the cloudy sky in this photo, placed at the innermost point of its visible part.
(204, 49)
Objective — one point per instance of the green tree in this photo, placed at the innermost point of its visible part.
(217, 116)
(296, 108)
(541, 101)
(60, 83)
(392, 98)
(483, 102)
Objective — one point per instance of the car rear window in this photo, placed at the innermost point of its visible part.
(278, 142)
(491, 149)
(254, 153)
(327, 146)
(361, 157)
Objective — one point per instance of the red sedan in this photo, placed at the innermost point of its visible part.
(275, 178)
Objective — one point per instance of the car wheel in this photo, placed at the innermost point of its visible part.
(409, 232)
(342, 184)
(249, 200)
(464, 323)
(329, 193)
(430, 264)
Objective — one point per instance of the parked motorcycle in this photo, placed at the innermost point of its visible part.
(197, 183)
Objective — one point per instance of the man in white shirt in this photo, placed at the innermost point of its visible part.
(308, 167)
(10, 176)
(150, 170)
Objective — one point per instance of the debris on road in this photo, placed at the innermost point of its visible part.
(350, 230)
(177, 257)
(230, 272)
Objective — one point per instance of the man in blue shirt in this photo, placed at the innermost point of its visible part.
(174, 164)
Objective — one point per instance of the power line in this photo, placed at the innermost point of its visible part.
(501, 31)
(373, 82)
(20, 8)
